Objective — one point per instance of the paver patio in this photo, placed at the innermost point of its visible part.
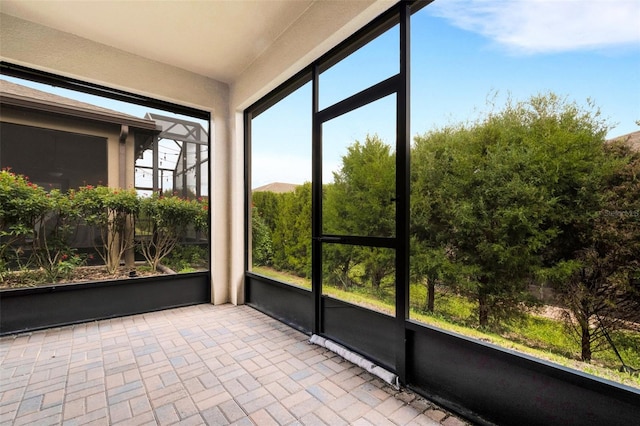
(204, 364)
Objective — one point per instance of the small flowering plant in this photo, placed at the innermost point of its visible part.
(201, 221)
(64, 266)
(22, 205)
(37, 228)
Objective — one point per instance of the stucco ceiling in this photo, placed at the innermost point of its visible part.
(214, 38)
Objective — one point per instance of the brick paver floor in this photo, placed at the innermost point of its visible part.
(204, 364)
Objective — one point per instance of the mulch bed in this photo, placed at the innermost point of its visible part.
(35, 278)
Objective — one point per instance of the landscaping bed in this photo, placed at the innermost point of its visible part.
(36, 278)
(53, 305)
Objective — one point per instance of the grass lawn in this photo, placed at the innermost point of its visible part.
(542, 337)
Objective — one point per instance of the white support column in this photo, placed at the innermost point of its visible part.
(236, 210)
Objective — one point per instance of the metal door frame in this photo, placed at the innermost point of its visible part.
(399, 85)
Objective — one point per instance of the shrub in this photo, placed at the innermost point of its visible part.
(163, 221)
(55, 226)
(112, 211)
(202, 217)
(46, 221)
(187, 258)
(22, 203)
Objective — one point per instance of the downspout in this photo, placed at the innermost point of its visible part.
(122, 166)
(129, 255)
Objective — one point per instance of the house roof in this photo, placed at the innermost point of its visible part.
(277, 187)
(633, 139)
(26, 97)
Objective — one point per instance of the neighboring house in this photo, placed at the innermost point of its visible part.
(277, 187)
(633, 139)
(63, 143)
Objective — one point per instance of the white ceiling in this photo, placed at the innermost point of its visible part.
(214, 38)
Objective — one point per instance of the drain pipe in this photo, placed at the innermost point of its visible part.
(122, 156)
(353, 357)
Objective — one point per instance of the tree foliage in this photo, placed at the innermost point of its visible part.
(281, 224)
(529, 193)
(112, 212)
(495, 194)
(261, 241)
(292, 235)
(41, 226)
(22, 203)
(56, 227)
(162, 222)
(601, 288)
(360, 202)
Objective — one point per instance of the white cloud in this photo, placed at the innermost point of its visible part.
(538, 26)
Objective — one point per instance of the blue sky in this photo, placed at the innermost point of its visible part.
(579, 49)
(464, 54)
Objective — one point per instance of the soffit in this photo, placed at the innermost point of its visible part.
(216, 39)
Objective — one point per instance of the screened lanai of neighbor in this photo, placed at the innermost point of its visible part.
(261, 88)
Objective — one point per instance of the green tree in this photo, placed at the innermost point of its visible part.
(431, 254)
(360, 202)
(266, 208)
(292, 232)
(261, 243)
(337, 263)
(269, 205)
(499, 191)
(601, 288)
